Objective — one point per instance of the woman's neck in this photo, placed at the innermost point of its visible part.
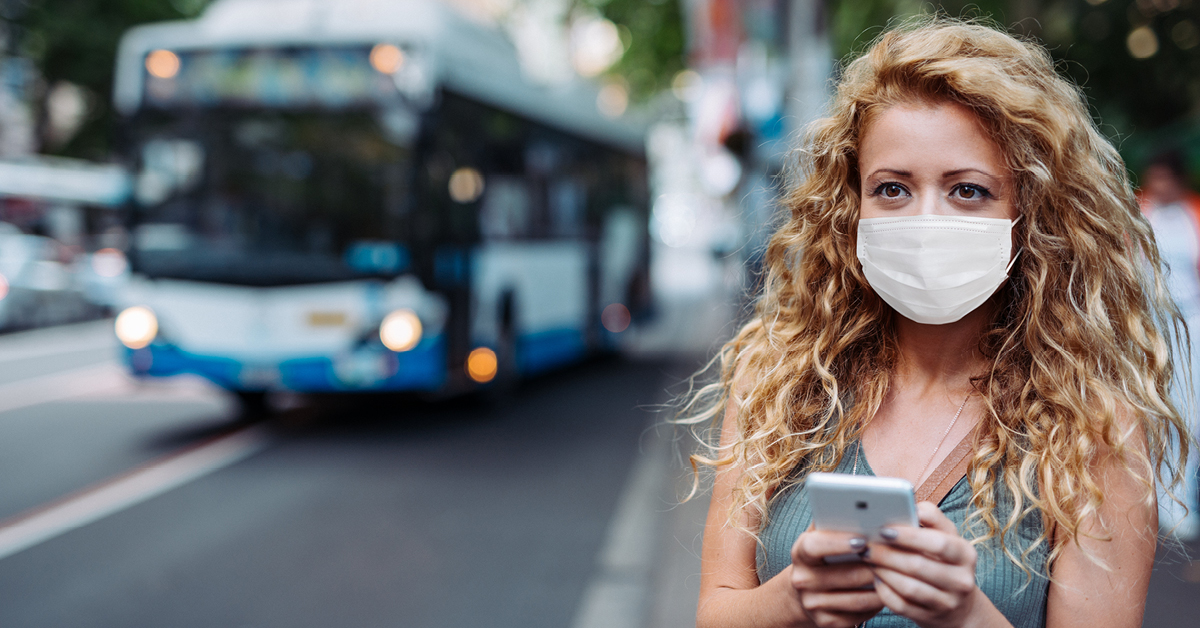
(944, 357)
(927, 407)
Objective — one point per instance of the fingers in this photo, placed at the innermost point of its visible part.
(834, 596)
(812, 547)
(956, 579)
(899, 604)
(846, 576)
(905, 594)
(842, 608)
(940, 540)
(924, 572)
(931, 516)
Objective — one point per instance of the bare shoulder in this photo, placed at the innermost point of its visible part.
(728, 553)
(1103, 571)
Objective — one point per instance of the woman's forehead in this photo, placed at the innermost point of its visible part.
(941, 137)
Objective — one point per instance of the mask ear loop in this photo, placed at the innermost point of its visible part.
(1014, 257)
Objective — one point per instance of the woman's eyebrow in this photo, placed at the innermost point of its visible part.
(955, 173)
(900, 173)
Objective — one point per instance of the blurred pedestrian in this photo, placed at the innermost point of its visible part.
(957, 298)
(1174, 213)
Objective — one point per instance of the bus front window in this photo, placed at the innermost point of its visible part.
(273, 197)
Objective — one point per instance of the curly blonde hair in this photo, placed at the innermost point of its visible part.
(1080, 346)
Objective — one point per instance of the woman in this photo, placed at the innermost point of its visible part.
(962, 275)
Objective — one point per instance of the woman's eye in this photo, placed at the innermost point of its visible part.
(971, 192)
(890, 190)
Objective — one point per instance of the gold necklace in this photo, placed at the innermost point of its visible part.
(935, 449)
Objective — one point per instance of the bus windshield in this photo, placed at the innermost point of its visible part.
(272, 197)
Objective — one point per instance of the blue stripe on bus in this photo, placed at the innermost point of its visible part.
(159, 360)
(421, 368)
(545, 350)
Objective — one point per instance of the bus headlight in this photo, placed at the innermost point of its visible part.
(136, 327)
(400, 330)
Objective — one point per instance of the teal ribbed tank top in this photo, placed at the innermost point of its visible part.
(1020, 597)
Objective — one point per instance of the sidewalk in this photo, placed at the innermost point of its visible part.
(648, 571)
(677, 580)
(647, 574)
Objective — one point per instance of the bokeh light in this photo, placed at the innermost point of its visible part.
(615, 318)
(162, 64)
(136, 327)
(1185, 35)
(466, 185)
(595, 45)
(400, 330)
(673, 219)
(109, 262)
(387, 58)
(1142, 42)
(613, 99)
(482, 364)
(687, 85)
(722, 172)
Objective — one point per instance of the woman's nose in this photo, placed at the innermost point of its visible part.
(928, 203)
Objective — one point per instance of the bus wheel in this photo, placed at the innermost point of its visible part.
(253, 405)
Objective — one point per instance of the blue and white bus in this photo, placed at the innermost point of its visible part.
(353, 195)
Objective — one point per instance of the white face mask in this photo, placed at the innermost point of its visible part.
(935, 269)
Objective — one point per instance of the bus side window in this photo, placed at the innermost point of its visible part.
(505, 212)
(568, 200)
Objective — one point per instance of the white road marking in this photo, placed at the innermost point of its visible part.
(618, 594)
(184, 388)
(95, 345)
(106, 381)
(121, 492)
(61, 385)
(58, 341)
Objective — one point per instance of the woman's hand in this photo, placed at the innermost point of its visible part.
(833, 595)
(927, 574)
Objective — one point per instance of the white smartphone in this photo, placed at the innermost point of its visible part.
(860, 504)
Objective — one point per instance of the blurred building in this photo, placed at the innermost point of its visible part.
(759, 73)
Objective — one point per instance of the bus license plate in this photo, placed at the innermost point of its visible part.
(326, 319)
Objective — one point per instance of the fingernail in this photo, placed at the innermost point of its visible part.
(889, 534)
(857, 543)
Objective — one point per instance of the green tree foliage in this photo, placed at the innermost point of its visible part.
(1135, 94)
(76, 41)
(855, 23)
(654, 36)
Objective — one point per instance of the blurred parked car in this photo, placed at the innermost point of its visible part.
(51, 279)
(38, 282)
(102, 275)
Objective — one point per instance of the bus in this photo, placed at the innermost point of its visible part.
(368, 195)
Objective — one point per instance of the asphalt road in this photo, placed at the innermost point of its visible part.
(390, 512)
